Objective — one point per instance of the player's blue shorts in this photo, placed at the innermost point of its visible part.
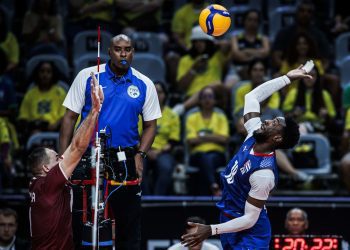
(257, 237)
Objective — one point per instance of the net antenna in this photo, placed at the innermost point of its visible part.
(95, 232)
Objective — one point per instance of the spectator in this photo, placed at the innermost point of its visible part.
(43, 29)
(250, 43)
(7, 90)
(41, 108)
(182, 23)
(8, 229)
(340, 25)
(207, 134)
(8, 43)
(345, 160)
(87, 15)
(296, 222)
(139, 15)
(302, 48)
(304, 22)
(160, 157)
(7, 170)
(311, 105)
(201, 246)
(8, 135)
(203, 66)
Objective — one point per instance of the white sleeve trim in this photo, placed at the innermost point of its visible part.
(251, 125)
(151, 108)
(261, 182)
(64, 174)
(250, 217)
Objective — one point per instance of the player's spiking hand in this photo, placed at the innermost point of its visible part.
(301, 72)
(97, 96)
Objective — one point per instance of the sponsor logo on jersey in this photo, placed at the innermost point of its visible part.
(133, 91)
(246, 167)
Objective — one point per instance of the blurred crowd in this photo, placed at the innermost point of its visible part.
(201, 86)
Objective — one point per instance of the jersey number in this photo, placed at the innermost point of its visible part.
(231, 175)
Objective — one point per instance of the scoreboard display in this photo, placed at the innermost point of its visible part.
(306, 242)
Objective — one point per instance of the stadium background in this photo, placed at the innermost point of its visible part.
(327, 202)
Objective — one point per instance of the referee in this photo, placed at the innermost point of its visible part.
(128, 94)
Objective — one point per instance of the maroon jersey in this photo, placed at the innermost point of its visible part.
(50, 211)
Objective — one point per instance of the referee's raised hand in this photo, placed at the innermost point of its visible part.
(97, 96)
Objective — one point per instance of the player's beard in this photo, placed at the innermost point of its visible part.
(260, 137)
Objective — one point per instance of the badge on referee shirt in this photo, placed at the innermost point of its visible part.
(133, 91)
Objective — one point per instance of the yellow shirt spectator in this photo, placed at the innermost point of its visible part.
(309, 115)
(184, 20)
(217, 124)
(347, 119)
(273, 101)
(168, 128)
(4, 132)
(11, 48)
(47, 106)
(213, 74)
(105, 14)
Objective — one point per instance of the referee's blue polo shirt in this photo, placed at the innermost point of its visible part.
(125, 98)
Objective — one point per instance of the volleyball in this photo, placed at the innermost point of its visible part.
(215, 20)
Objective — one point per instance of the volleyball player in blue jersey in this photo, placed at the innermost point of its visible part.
(252, 174)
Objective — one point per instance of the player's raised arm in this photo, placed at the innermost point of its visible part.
(83, 135)
(262, 92)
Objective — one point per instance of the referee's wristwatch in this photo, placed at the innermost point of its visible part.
(142, 153)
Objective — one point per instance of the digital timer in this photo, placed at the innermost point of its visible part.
(306, 242)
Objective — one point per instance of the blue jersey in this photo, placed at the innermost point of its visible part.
(125, 98)
(236, 187)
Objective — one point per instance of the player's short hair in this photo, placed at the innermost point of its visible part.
(195, 219)
(7, 212)
(37, 158)
(290, 134)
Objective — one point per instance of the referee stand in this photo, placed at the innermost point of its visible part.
(85, 177)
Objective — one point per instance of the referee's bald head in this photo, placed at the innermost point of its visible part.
(120, 37)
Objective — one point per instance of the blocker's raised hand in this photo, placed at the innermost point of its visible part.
(97, 96)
